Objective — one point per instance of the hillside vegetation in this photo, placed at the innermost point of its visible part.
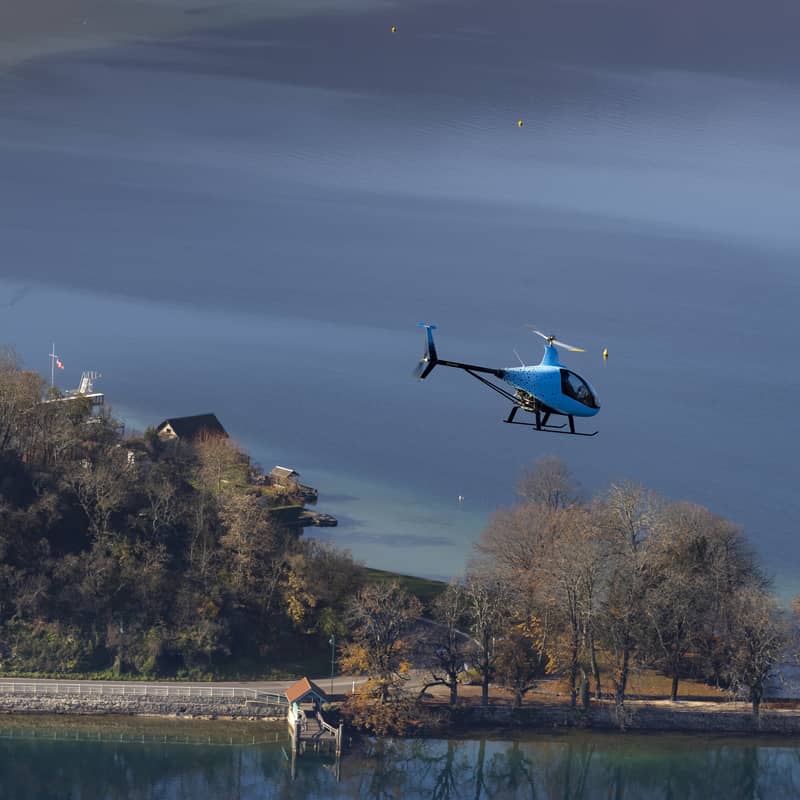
(141, 557)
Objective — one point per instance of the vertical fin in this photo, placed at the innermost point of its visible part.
(429, 359)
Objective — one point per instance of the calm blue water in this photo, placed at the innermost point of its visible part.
(251, 218)
(177, 761)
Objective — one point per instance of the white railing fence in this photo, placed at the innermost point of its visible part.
(155, 690)
(324, 725)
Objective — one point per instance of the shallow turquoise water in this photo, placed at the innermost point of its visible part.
(170, 761)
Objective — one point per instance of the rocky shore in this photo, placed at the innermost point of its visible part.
(660, 716)
(194, 707)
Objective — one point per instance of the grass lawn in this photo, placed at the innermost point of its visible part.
(424, 589)
(645, 684)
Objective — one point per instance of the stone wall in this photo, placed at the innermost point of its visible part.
(642, 716)
(206, 707)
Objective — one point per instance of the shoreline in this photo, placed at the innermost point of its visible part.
(97, 698)
(208, 708)
(638, 716)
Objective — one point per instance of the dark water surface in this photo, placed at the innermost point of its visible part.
(56, 759)
(251, 219)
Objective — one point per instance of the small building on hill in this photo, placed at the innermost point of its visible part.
(283, 476)
(305, 691)
(191, 428)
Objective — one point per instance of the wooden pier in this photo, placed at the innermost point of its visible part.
(308, 727)
(310, 731)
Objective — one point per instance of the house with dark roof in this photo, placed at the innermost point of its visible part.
(191, 428)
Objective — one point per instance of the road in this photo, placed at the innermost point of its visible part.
(342, 684)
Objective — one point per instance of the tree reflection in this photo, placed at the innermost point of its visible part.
(573, 766)
(578, 767)
(444, 787)
(512, 772)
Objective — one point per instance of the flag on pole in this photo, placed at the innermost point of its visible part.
(59, 364)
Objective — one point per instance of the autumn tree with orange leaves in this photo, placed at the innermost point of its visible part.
(381, 619)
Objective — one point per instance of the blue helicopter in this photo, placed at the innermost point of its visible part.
(545, 390)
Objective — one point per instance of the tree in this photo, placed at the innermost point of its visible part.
(220, 463)
(20, 392)
(163, 509)
(489, 601)
(732, 565)
(554, 555)
(448, 647)
(248, 540)
(759, 636)
(568, 574)
(101, 486)
(381, 618)
(550, 484)
(521, 658)
(698, 560)
(319, 577)
(626, 517)
(516, 540)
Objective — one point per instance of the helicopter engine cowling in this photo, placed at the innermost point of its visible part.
(552, 387)
(525, 400)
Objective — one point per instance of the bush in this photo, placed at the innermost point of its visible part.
(48, 647)
(400, 715)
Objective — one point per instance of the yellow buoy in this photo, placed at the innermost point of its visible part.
(394, 28)
(519, 123)
(605, 352)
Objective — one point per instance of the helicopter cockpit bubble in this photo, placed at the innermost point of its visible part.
(572, 385)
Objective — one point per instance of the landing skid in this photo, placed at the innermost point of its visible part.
(542, 425)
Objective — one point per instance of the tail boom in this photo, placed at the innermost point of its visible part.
(430, 359)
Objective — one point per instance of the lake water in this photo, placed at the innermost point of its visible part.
(56, 759)
(249, 214)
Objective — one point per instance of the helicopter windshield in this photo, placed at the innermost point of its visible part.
(574, 386)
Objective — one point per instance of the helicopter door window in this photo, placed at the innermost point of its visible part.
(574, 386)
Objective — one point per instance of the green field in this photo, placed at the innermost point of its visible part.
(423, 588)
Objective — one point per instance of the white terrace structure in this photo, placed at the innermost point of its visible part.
(85, 391)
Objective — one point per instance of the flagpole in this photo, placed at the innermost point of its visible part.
(55, 361)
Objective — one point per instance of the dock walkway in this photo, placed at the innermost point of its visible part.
(309, 730)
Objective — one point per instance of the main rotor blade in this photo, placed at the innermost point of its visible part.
(569, 347)
(543, 335)
(553, 340)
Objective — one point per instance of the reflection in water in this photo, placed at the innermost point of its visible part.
(133, 760)
(575, 766)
